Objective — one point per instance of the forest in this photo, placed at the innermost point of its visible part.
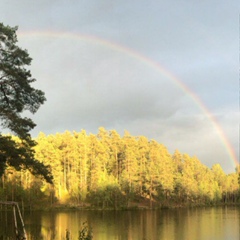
(107, 171)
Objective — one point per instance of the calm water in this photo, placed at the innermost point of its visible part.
(178, 224)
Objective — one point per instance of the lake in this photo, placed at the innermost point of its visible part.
(209, 223)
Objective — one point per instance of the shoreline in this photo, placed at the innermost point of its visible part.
(65, 207)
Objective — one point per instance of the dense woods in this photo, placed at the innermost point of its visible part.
(109, 171)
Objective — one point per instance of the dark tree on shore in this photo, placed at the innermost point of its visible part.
(17, 96)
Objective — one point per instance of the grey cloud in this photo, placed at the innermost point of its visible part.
(88, 84)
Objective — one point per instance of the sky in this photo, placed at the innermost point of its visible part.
(168, 70)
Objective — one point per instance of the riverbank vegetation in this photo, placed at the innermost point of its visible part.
(109, 171)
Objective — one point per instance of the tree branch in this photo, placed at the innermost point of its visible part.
(5, 96)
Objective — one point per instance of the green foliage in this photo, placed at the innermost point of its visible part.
(16, 96)
(18, 155)
(108, 196)
(16, 93)
(109, 171)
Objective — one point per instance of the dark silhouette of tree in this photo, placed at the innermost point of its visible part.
(16, 96)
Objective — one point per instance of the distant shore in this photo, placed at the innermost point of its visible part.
(132, 206)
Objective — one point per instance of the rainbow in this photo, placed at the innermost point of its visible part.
(149, 62)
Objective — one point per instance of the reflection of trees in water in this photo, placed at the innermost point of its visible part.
(194, 223)
(7, 225)
(11, 221)
(41, 225)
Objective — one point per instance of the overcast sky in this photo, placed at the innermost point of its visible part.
(99, 64)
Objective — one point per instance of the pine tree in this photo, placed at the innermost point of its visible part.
(130, 168)
(81, 163)
(143, 149)
(16, 96)
(116, 154)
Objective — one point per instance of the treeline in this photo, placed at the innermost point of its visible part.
(107, 170)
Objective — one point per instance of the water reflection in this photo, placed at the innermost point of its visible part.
(180, 224)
